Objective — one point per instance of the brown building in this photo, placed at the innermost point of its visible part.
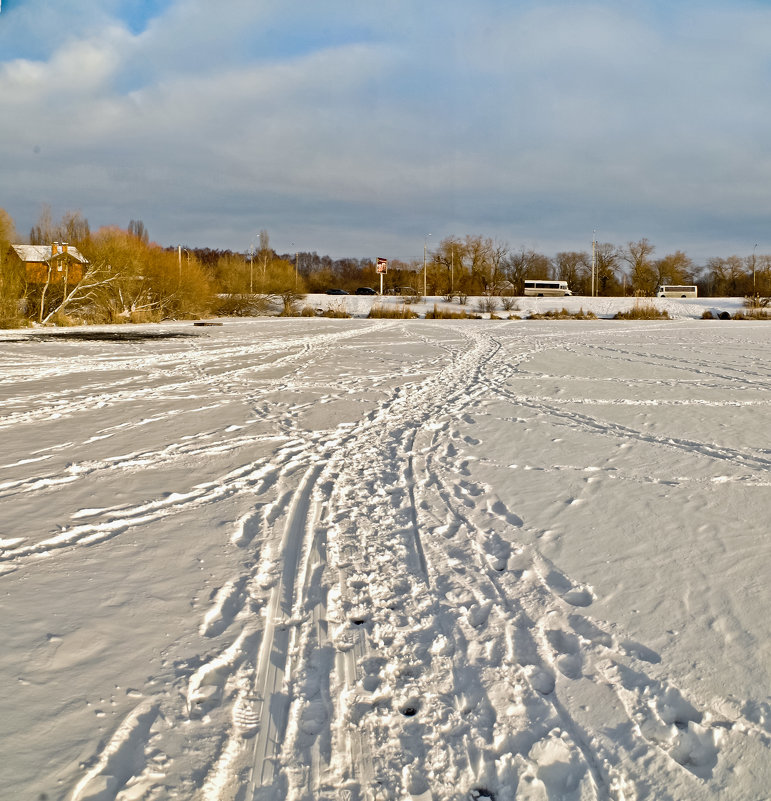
(56, 263)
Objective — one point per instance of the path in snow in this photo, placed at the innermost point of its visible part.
(389, 614)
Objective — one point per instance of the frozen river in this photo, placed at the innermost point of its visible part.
(356, 560)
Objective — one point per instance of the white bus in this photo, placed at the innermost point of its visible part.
(540, 289)
(677, 292)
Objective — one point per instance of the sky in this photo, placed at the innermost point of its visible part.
(359, 129)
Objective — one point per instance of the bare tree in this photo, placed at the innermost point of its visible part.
(606, 261)
(526, 264)
(728, 275)
(44, 232)
(674, 268)
(136, 228)
(95, 276)
(644, 276)
(575, 268)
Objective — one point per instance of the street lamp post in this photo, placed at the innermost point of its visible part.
(425, 244)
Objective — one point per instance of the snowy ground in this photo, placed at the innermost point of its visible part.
(353, 559)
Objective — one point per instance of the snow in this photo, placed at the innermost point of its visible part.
(352, 559)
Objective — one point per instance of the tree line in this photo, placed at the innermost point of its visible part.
(130, 278)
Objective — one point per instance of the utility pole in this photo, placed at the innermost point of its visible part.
(425, 243)
(594, 257)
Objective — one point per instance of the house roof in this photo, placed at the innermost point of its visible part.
(42, 253)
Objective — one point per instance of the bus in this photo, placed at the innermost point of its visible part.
(670, 291)
(540, 289)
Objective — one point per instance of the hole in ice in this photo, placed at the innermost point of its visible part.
(409, 710)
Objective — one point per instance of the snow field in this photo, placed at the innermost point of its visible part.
(344, 559)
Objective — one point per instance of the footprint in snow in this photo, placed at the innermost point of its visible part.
(569, 660)
(667, 720)
(245, 718)
(498, 552)
(590, 631)
(471, 489)
(499, 509)
(569, 592)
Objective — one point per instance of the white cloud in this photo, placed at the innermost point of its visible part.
(527, 122)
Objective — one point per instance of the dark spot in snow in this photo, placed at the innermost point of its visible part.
(409, 711)
(481, 794)
(84, 335)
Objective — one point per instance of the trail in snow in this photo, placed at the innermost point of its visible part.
(392, 628)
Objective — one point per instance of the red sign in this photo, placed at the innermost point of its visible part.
(382, 265)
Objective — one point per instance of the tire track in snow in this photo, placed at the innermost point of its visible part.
(553, 647)
(271, 670)
(280, 647)
(482, 595)
(380, 656)
(160, 377)
(575, 648)
(201, 446)
(386, 431)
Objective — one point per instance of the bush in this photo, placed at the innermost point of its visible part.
(146, 316)
(753, 314)
(241, 305)
(642, 310)
(338, 311)
(446, 314)
(509, 303)
(61, 320)
(757, 302)
(289, 300)
(758, 308)
(391, 312)
(563, 314)
(487, 305)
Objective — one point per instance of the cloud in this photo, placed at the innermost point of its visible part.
(335, 126)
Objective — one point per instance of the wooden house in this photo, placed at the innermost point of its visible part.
(57, 263)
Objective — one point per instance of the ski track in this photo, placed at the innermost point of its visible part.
(390, 634)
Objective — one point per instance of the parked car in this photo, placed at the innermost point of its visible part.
(336, 292)
(365, 290)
